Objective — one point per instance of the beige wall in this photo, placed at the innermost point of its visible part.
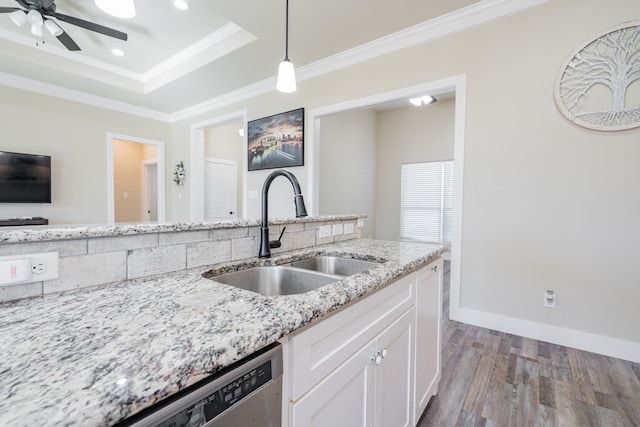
(75, 136)
(224, 142)
(348, 166)
(405, 136)
(546, 204)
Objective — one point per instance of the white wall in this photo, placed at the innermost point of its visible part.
(74, 135)
(405, 136)
(348, 166)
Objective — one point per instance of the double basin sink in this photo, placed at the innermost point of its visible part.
(295, 277)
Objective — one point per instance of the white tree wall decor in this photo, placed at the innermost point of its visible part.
(599, 86)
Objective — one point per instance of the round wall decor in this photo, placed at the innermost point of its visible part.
(599, 85)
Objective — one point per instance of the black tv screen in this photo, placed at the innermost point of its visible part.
(25, 178)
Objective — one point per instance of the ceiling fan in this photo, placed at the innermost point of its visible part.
(39, 13)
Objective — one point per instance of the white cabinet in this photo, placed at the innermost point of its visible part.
(358, 366)
(428, 335)
(372, 388)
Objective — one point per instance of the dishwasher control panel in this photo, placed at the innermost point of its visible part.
(221, 399)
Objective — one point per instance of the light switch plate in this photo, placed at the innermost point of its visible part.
(348, 228)
(360, 222)
(337, 229)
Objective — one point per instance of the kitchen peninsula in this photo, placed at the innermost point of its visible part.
(95, 356)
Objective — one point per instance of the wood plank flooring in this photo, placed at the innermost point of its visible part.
(491, 378)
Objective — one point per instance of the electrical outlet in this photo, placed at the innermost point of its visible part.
(550, 299)
(43, 267)
(348, 228)
(360, 222)
(324, 231)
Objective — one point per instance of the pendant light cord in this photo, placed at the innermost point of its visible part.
(286, 38)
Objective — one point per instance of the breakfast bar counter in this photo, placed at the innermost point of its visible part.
(95, 356)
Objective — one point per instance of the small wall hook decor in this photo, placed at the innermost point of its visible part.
(180, 174)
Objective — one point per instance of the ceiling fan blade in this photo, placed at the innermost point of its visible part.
(91, 26)
(8, 9)
(68, 42)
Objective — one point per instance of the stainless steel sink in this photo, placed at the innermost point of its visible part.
(276, 280)
(335, 265)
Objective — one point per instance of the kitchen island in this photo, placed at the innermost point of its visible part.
(96, 356)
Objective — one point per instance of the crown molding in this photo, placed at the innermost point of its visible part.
(41, 88)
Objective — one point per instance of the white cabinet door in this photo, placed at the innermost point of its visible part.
(428, 340)
(394, 385)
(343, 398)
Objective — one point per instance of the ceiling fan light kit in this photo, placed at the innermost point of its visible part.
(125, 9)
(286, 81)
(39, 13)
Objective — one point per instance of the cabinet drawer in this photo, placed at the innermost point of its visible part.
(316, 351)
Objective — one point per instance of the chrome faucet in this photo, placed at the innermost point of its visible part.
(265, 244)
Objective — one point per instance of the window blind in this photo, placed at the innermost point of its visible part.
(427, 202)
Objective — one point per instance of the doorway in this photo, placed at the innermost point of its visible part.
(455, 85)
(150, 190)
(218, 138)
(127, 193)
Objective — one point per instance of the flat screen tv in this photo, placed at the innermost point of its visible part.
(25, 178)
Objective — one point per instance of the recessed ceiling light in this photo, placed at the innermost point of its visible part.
(181, 4)
(117, 52)
(119, 8)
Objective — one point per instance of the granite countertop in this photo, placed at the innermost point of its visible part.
(62, 232)
(96, 356)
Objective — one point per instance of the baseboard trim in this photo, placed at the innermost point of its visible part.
(614, 347)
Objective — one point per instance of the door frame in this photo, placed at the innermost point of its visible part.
(110, 175)
(230, 163)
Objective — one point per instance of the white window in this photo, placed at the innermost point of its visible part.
(426, 212)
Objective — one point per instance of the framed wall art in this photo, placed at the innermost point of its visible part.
(276, 141)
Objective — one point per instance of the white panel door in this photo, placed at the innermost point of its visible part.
(220, 186)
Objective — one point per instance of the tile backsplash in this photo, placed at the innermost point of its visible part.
(100, 259)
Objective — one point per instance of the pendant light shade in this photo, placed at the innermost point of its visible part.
(119, 8)
(286, 77)
(286, 81)
(34, 17)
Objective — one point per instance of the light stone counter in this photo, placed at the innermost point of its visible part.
(96, 356)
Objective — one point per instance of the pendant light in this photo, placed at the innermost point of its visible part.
(286, 81)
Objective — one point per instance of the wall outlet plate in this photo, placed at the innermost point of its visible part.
(348, 228)
(43, 266)
(550, 299)
(337, 229)
(360, 222)
(324, 231)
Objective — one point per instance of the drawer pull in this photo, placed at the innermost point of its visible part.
(377, 360)
(383, 353)
(434, 268)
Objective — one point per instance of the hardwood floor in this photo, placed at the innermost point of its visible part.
(491, 378)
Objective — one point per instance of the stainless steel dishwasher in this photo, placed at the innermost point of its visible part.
(249, 393)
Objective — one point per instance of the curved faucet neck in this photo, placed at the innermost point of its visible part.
(301, 210)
